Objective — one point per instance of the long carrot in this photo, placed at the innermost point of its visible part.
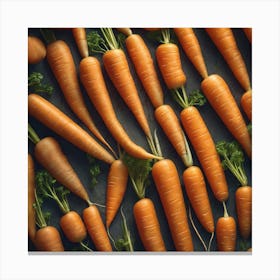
(93, 81)
(246, 104)
(191, 47)
(80, 37)
(220, 97)
(56, 120)
(225, 42)
(31, 199)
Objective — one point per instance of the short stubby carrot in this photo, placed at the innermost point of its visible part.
(205, 149)
(148, 225)
(57, 121)
(191, 47)
(246, 103)
(96, 228)
(221, 99)
(226, 234)
(167, 181)
(145, 69)
(31, 199)
(80, 37)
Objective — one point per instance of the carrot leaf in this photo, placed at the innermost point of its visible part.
(94, 170)
(35, 84)
(196, 98)
(96, 44)
(249, 127)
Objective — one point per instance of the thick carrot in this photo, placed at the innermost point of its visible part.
(80, 37)
(248, 33)
(56, 120)
(196, 190)
(96, 228)
(221, 99)
(36, 50)
(145, 69)
(116, 187)
(93, 81)
(168, 185)
(31, 199)
(125, 31)
(243, 200)
(224, 40)
(246, 104)
(148, 225)
(191, 47)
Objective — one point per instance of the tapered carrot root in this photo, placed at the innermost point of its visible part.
(226, 234)
(221, 99)
(243, 200)
(56, 120)
(31, 199)
(148, 225)
(248, 33)
(168, 185)
(191, 47)
(96, 228)
(80, 37)
(116, 187)
(246, 104)
(145, 69)
(196, 190)
(208, 157)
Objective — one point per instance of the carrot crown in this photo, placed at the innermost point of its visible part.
(41, 217)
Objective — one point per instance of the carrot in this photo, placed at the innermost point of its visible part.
(62, 64)
(224, 40)
(168, 185)
(116, 187)
(248, 33)
(93, 81)
(49, 154)
(246, 104)
(191, 47)
(125, 31)
(31, 199)
(148, 225)
(152, 28)
(56, 120)
(145, 69)
(80, 37)
(96, 228)
(36, 50)
(220, 97)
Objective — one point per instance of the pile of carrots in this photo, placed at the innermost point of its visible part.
(149, 106)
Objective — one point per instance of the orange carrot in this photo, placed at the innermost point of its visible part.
(220, 97)
(125, 31)
(116, 187)
(225, 42)
(148, 225)
(80, 37)
(168, 185)
(53, 118)
(248, 33)
(31, 199)
(93, 81)
(145, 69)
(190, 45)
(96, 228)
(36, 50)
(246, 103)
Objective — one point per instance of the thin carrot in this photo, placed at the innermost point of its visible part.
(116, 187)
(56, 120)
(125, 31)
(145, 69)
(220, 97)
(225, 42)
(191, 47)
(93, 81)
(246, 104)
(31, 199)
(80, 37)
(248, 33)
(96, 228)
(36, 50)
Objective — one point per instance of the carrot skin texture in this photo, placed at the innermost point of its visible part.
(57, 121)
(205, 149)
(96, 228)
(221, 99)
(148, 225)
(243, 201)
(31, 199)
(116, 187)
(94, 83)
(73, 227)
(80, 37)
(246, 104)
(169, 62)
(224, 40)
(226, 234)
(166, 178)
(191, 47)
(50, 155)
(36, 50)
(48, 239)
(196, 190)
(145, 69)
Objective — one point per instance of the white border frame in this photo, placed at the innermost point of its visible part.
(17, 16)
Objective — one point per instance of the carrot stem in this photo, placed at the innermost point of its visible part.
(225, 210)
(210, 241)
(32, 135)
(110, 38)
(40, 219)
(85, 246)
(166, 35)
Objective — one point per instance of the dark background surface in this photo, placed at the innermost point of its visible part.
(78, 159)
